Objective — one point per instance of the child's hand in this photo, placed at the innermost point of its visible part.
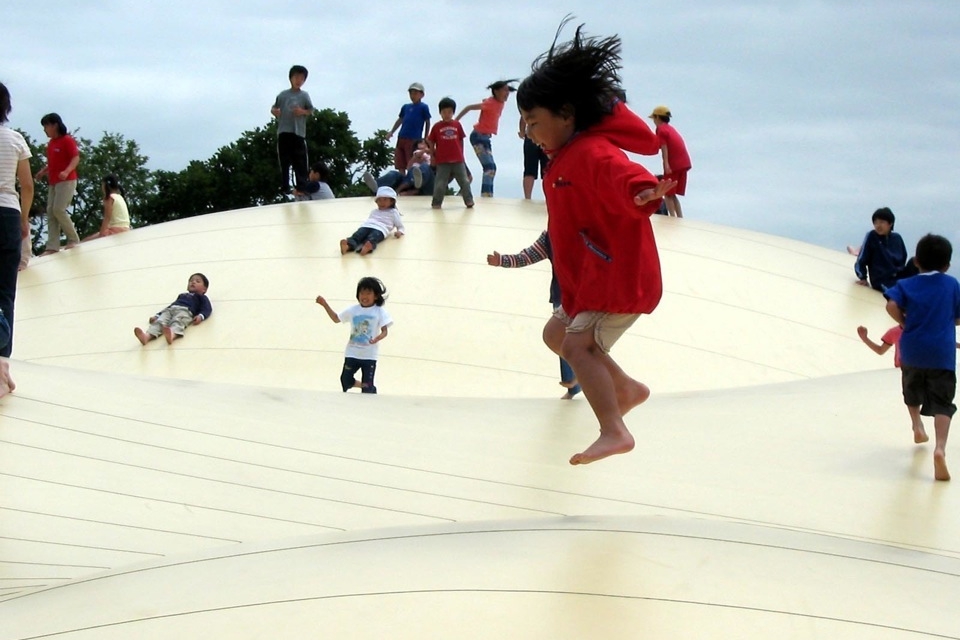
(493, 259)
(321, 301)
(153, 319)
(398, 234)
(649, 195)
(197, 319)
(862, 332)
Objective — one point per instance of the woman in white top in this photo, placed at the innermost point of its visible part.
(14, 227)
(116, 217)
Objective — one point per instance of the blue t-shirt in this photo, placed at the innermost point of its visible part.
(415, 116)
(931, 306)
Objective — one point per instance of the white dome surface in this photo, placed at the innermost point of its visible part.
(224, 487)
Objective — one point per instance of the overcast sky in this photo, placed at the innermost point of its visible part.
(801, 117)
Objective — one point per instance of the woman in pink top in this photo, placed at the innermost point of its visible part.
(486, 128)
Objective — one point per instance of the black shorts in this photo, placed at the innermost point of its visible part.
(932, 390)
(534, 160)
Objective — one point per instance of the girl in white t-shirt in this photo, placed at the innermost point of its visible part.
(368, 326)
(116, 216)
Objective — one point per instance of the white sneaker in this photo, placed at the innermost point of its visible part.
(370, 181)
(417, 176)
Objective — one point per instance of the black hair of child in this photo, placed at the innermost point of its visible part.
(206, 283)
(5, 106)
(320, 168)
(579, 78)
(500, 84)
(111, 184)
(934, 253)
(447, 103)
(369, 283)
(885, 214)
(54, 118)
(298, 68)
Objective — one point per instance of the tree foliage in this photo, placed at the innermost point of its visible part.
(245, 173)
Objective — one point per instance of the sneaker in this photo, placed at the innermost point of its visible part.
(417, 176)
(370, 181)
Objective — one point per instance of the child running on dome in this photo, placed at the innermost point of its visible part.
(599, 205)
(368, 326)
(487, 125)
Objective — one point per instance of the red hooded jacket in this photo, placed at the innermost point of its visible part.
(604, 252)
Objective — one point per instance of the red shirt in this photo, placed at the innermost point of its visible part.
(448, 137)
(60, 151)
(892, 336)
(604, 252)
(489, 122)
(676, 149)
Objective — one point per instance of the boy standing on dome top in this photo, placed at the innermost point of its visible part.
(676, 160)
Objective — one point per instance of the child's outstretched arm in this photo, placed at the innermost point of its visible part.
(467, 109)
(879, 349)
(649, 195)
(531, 255)
(330, 312)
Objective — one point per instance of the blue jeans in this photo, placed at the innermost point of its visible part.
(367, 368)
(10, 244)
(363, 235)
(484, 150)
(395, 180)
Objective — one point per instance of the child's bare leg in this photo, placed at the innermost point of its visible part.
(6, 382)
(941, 424)
(143, 336)
(919, 433)
(594, 374)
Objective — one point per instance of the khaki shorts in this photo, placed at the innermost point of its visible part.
(607, 327)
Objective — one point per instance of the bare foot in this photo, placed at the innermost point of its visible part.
(50, 252)
(940, 471)
(567, 396)
(344, 247)
(366, 248)
(607, 444)
(142, 335)
(168, 334)
(568, 385)
(632, 395)
(919, 435)
(854, 251)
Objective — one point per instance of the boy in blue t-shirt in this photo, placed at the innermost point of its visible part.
(414, 124)
(928, 308)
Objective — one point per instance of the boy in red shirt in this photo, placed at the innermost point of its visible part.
(676, 160)
(599, 204)
(446, 147)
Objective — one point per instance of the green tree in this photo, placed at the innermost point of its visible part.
(246, 173)
(112, 154)
(121, 157)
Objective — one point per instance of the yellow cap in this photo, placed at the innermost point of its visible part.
(661, 111)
